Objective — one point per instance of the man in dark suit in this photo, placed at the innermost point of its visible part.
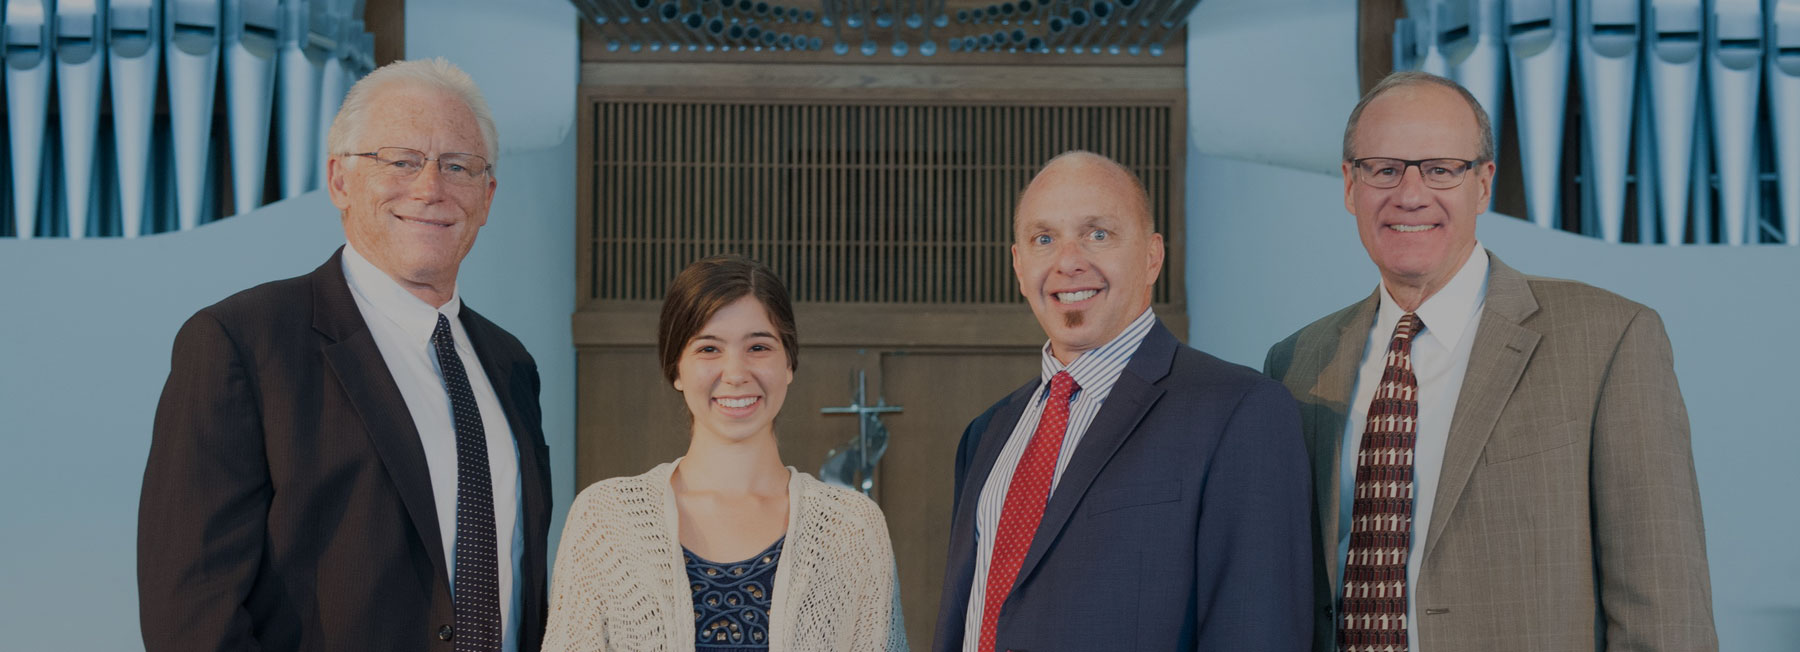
(1141, 495)
(352, 459)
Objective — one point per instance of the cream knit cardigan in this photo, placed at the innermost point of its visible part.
(621, 584)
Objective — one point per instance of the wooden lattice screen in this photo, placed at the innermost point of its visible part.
(861, 203)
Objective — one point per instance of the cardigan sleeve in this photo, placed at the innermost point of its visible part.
(577, 608)
(882, 624)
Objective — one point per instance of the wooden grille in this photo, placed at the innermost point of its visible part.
(873, 203)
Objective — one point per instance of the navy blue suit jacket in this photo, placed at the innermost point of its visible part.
(1181, 522)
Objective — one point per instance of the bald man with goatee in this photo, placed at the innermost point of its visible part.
(1139, 494)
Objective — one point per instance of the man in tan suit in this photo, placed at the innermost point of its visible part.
(1501, 462)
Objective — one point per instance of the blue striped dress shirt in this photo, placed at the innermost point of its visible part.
(1095, 372)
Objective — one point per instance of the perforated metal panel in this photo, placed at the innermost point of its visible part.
(875, 203)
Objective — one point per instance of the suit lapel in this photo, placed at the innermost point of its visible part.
(988, 451)
(1327, 410)
(1130, 399)
(518, 400)
(353, 357)
(1500, 352)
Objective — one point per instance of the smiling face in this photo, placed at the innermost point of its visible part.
(1084, 252)
(1418, 236)
(734, 373)
(415, 230)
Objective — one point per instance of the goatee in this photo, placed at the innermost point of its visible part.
(1073, 319)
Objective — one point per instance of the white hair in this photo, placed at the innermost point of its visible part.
(436, 73)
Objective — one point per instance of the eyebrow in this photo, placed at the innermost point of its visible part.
(716, 338)
(1086, 221)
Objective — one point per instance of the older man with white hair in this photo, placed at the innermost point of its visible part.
(353, 459)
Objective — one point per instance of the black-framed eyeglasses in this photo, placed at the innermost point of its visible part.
(1438, 173)
(403, 163)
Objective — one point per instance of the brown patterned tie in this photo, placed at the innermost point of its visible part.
(1373, 614)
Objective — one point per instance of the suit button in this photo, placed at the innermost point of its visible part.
(445, 633)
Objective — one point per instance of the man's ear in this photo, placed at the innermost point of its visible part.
(1484, 175)
(334, 181)
(1020, 278)
(1156, 257)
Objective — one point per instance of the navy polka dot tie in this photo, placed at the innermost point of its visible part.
(476, 590)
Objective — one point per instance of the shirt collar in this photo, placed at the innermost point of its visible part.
(1101, 366)
(1448, 313)
(414, 317)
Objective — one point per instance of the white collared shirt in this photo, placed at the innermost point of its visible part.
(1440, 359)
(1095, 372)
(402, 325)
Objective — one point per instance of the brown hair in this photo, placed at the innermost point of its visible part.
(710, 284)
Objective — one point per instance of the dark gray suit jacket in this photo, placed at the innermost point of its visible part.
(1180, 522)
(1567, 499)
(286, 503)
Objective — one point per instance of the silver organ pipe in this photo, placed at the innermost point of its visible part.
(340, 20)
(69, 176)
(28, 66)
(80, 63)
(1784, 110)
(1673, 51)
(133, 51)
(1607, 41)
(1734, 74)
(899, 28)
(192, 27)
(300, 68)
(1475, 50)
(1418, 43)
(1538, 36)
(251, 35)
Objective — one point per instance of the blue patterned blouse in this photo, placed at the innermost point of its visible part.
(731, 601)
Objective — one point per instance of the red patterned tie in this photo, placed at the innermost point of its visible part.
(1374, 607)
(1024, 506)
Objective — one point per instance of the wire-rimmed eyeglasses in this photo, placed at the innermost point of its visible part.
(405, 163)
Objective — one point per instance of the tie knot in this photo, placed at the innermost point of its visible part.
(442, 332)
(1409, 325)
(1062, 385)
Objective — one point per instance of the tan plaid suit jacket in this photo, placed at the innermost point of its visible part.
(1567, 515)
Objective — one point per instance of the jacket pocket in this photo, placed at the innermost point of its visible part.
(1515, 443)
(1108, 500)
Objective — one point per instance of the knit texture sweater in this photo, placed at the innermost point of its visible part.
(620, 582)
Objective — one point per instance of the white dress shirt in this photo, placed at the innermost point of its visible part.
(1440, 358)
(1095, 372)
(402, 325)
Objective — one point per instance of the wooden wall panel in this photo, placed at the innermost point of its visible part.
(877, 203)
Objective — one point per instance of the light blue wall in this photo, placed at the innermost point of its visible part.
(86, 326)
